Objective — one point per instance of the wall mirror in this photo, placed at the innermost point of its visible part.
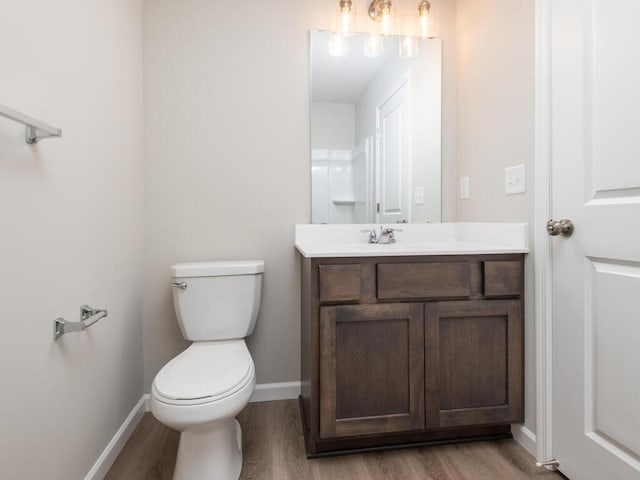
(375, 129)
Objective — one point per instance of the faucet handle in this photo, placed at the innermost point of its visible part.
(372, 234)
(387, 234)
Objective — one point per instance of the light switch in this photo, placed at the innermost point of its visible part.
(514, 180)
(418, 196)
(464, 188)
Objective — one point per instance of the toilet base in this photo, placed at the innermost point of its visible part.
(210, 453)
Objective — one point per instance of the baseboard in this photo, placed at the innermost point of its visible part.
(117, 443)
(525, 437)
(147, 402)
(265, 392)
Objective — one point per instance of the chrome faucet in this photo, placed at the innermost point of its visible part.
(386, 235)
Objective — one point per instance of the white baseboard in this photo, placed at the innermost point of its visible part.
(147, 402)
(265, 392)
(525, 437)
(115, 446)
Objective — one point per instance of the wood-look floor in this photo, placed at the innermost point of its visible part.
(274, 450)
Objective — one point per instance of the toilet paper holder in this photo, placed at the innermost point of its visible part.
(88, 317)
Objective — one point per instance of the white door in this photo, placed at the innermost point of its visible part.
(595, 110)
(393, 120)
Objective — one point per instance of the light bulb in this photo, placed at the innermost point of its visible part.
(337, 45)
(373, 45)
(408, 47)
(381, 11)
(424, 8)
(345, 8)
(385, 20)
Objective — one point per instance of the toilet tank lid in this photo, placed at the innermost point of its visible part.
(217, 269)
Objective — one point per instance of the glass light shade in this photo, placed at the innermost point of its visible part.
(345, 16)
(424, 10)
(424, 25)
(381, 11)
(373, 45)
(385, 21)
(337, 45)
(408, 47)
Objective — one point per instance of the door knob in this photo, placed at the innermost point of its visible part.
(564, 227)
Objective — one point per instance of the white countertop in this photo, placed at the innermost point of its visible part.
(414, 239)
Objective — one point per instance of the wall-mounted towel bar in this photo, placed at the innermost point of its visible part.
(88, 316)
(35, 129)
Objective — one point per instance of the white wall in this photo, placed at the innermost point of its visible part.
(227, 156)
(333, 126)
(495, 127)
(72, 217)
(333, 132)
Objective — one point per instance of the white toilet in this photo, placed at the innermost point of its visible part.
(200, 391)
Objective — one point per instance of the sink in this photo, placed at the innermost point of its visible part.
(414, 239)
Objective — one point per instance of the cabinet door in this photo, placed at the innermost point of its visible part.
(371, 369)
(474, 363)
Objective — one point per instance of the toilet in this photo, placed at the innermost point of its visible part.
(200, 392)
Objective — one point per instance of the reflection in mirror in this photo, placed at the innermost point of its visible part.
(375, 129)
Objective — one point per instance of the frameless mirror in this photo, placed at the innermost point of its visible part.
(375, 129)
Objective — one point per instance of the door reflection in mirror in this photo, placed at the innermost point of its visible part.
(375, 132)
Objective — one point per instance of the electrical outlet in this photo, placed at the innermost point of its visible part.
(464, 188)
(418, 196)
(514, 180)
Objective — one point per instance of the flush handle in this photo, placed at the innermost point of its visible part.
(563, 227)
(181, 285)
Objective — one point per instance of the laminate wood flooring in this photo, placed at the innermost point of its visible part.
(274, 450)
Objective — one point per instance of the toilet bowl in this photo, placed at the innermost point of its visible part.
(200, 391)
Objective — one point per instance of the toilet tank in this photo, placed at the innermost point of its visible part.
(219, 301)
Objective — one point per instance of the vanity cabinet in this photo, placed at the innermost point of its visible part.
(410, 350)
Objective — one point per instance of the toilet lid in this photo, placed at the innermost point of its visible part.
(205, 369)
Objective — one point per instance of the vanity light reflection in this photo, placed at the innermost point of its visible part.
(373, 45)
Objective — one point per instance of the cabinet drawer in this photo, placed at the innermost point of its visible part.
(502, 278)
(339, 283)
(423, 280)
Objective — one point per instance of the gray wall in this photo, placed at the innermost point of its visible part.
(72, 217)
(227, 156)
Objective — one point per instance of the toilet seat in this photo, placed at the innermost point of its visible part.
(205, 372)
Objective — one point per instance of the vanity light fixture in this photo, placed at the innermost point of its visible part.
(381, 12)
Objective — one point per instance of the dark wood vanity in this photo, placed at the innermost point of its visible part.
(404, 350)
